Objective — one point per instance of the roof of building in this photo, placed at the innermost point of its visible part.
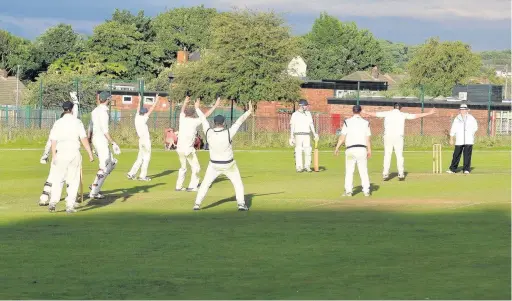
(8, 90)
(416, 102)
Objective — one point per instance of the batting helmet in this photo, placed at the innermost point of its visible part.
(303, 102)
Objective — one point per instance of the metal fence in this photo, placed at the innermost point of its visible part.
(257, 131)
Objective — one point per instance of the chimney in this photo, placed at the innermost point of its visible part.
(3, 73)
(375, 72)
(182, 57)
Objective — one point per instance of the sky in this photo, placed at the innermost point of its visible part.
(485, 25)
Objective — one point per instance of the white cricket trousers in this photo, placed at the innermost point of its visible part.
(353, 156)
(106, 163)
(393, 143)
(66, 168)
(191, 158)
(143, 158)
(303, 144)
(231, 171)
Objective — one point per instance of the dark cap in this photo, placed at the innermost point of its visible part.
(67, 106)
(219, 119)
(397, 105)
(104, 96)
(303, 102)
(143, 110)
(356, 109)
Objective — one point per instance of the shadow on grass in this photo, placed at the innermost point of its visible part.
(111, 196)
(393, 175)
(274, 254)
(248, 199)
(162, 174)
(223, 178)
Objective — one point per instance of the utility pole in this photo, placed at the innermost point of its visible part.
(17, 92)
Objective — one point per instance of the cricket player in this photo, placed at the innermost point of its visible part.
(185, 147)
(65, 136)
(394, 124)
(302, 126)
(221, 156)
(101, 139)
(141, 126)
(462, 135)
(356, 134)
(44, 198)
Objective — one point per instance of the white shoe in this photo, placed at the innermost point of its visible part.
(307, 169)
(299, 170)
(96, 196)
(129, 176)
(466, 172)
(70, 210)
(243, 208)
(146, 179)
(385, 177)
(180, 189)
(51, 208)
(449, 171)
(367, 193)
(43, 160)
(196, 207)
(347, 194)
(192, 189)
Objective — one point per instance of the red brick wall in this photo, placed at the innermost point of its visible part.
(117, 103)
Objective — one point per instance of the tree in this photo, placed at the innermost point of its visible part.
(441, 65)
(55, 43)
(334, 49)
(16, 51)
(398, 54)
(247, 60)
(184, 29)
(143, 23)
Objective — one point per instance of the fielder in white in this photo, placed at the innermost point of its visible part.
(185, 148)
(101, 139)
(141, 126)
(221, 156)
(356, 134)
(44, 198)
(394, 125)
(301, 127)
(65, 136)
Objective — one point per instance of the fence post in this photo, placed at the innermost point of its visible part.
(41, 103)
(110, 102)
(422, 98)
(358, 88)
(489, 111)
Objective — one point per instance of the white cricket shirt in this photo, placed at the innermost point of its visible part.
(219, 140)
(187, 133)
(464, 129)
(141, 126)
(67, 132)
(356, 130)
(394, 121)
(301, 122)
(99, 118)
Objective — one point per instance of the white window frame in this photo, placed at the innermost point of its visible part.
(149, 97)
(127, 102)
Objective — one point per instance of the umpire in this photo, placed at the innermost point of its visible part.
(462, 135)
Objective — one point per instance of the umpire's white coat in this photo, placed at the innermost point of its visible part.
(302, 126)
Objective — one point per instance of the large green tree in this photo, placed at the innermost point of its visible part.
(16, 51)
(438, 66)
(334, 49)
(55, 42)
(247, 60)
(186, 28)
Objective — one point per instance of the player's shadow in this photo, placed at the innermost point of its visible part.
(111, 196)
(395, 174)
(224, 178)
(322, 168)
(248, 199)
(359, 189)
(162, 174)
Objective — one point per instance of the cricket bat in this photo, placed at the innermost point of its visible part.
(315, 158)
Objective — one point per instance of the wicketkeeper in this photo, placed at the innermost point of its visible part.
(65, 136)
(301, 127)
(101, 139)
(221, 156)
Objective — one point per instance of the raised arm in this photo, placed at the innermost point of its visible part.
(210, 111)
(200, 114)
(153, 106)
(415, 116)
(185, 104)
(234, 128)
(138, 105)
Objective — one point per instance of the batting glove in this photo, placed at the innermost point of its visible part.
(116, 148)
(316, 138)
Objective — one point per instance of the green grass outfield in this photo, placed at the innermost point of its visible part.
(430, 237)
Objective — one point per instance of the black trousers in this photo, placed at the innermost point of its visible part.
(457, 152)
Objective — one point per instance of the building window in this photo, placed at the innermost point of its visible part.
(149, 99)
(127, 99)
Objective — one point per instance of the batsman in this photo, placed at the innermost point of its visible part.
(101, 139)
(301, 128)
